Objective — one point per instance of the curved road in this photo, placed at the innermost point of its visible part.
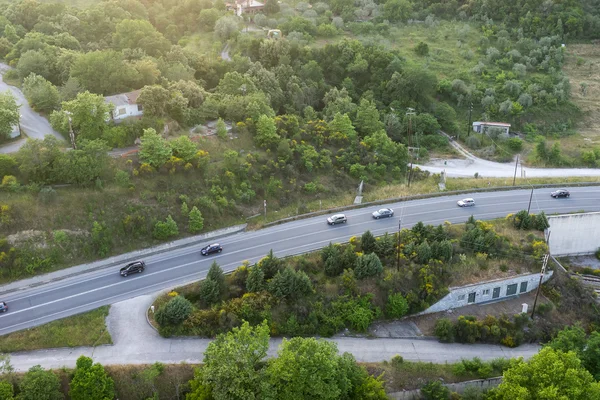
(38, 305)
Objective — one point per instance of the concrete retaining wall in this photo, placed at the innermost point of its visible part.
(483, 384)
(484, 292)
(574, 234)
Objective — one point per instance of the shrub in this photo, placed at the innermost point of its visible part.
(290, 284)
(515, 144)
(541, 222)
(397, 306)
(522, 220)
(473, 142)
(256, 280)
(368, 265)
(444, 330)
(422, 49)
(367, 242)
(196, 221)
(209, 292)
(435, 391)
(165, 230)
(215, 273)
(122, 178)
(174, 312)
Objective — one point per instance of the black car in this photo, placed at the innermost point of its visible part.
(132, 268)
(560, 193)
(211, 248)
(3, 306)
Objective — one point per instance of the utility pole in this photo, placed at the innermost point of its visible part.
(409, 114)
(71, 133)
(469, 128)
(530, 197)
(398, 246)
(516, 165)
(265, 204)
(544, 263)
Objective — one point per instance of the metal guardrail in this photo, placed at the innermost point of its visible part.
(426, 196)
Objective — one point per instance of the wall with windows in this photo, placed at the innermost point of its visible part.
(484, 292)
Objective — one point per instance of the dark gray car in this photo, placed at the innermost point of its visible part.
(133, 268)
(383, 213)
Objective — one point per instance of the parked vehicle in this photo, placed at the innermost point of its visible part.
(383, 213)
(3, 307)
(133, 268)
(211, 248)
(560, 193)
(466, 202)
(337, 219)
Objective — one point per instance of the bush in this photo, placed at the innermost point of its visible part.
(165, 230)
(397, 306)
(367, 242)
(122, 178)
(422, 49)
(368, 265)
(515, 144)
(473, 142)
(435, 391)
(290, 284)
(196, 221)
(209, 292)
(522, 220)
(444, 330)
(174, 312)
(256, 280)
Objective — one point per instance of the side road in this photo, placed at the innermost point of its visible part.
(136, 342)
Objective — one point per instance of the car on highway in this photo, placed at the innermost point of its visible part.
(3, 307)
(383, 213)
(466, 202)
(133, 268)
(560, 193)
(337, 219)
(211, 248)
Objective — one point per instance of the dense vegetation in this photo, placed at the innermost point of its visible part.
(349, 286)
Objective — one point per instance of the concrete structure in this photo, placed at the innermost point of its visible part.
(245, 7)
(482, 127)
(574, 234)
(484, 292)
(16, 131)
(125, 105)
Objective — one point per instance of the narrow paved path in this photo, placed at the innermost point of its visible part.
(472, 164)
(32, 123)
(135, 342)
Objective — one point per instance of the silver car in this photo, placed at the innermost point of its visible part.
(337, 219)
(383, 213)
(466, 202)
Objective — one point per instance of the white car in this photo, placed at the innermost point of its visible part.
(337, 219)
(466, 202)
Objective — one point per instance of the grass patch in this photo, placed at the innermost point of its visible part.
(87, 329)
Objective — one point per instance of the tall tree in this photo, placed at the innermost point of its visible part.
(154, 99)
(88, 113)
(9, 114)
(90, 382)
(39, 384)
(38, 159)
(266, 133)
(154, 150)
(140, 34)
(103, 72)
(367, 118)
(41, 94)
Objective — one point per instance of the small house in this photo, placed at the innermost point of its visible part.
(483, 127)
(245, 7)
(125, 105)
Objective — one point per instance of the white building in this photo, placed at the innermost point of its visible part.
(125, 105)
(482, 127)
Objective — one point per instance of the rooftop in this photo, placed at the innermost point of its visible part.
(491, 123)
(123, 99)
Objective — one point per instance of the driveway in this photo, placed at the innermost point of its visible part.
(472, 164)
(136, 342)
(32, 123)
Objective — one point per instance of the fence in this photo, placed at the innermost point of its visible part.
(482, 384)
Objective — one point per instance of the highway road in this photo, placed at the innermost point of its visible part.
(39, 305)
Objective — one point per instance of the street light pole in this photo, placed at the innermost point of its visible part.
(516, 165)
(530, 197)
(265, 205)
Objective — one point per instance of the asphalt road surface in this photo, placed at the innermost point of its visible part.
(39, 305)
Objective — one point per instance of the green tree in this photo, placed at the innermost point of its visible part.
(341, 127)
(221, 129)
(101, 239)
(8, 165)
(182, 147)
(397, 10)
(39, 384)
(367, 118)
(102, 72)
(154, 99)
(367, 242)
(174, 312)
(307, 368)
(154, 150)
(368, 265)
(196, 221)
(209, 292)
(271, 7)
(434, 390)
(349, 258)
(590, 356)
(37, 159)
(290, 284)
(541, 221)
(41, 94)
(332, 260)
(255, 282)
(397, 306)
(165, 230)
(227, 27)
(239, 380)
(544, 376)
(571, 338)
(270, 265)
(90, 382)
(84, 165)
(140, 34)
(7, 391)
(33, 62)
(266, 133)
(88, 113)
(215, 273)
(207, 19)
(9, 114)
(422, 49)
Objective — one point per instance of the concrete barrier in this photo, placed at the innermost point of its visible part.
(459, 387)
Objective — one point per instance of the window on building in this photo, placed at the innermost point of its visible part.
(523, 288)
(139, 107)
(486, 292)
(511, 289)
(122, 111)
(461, 297)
